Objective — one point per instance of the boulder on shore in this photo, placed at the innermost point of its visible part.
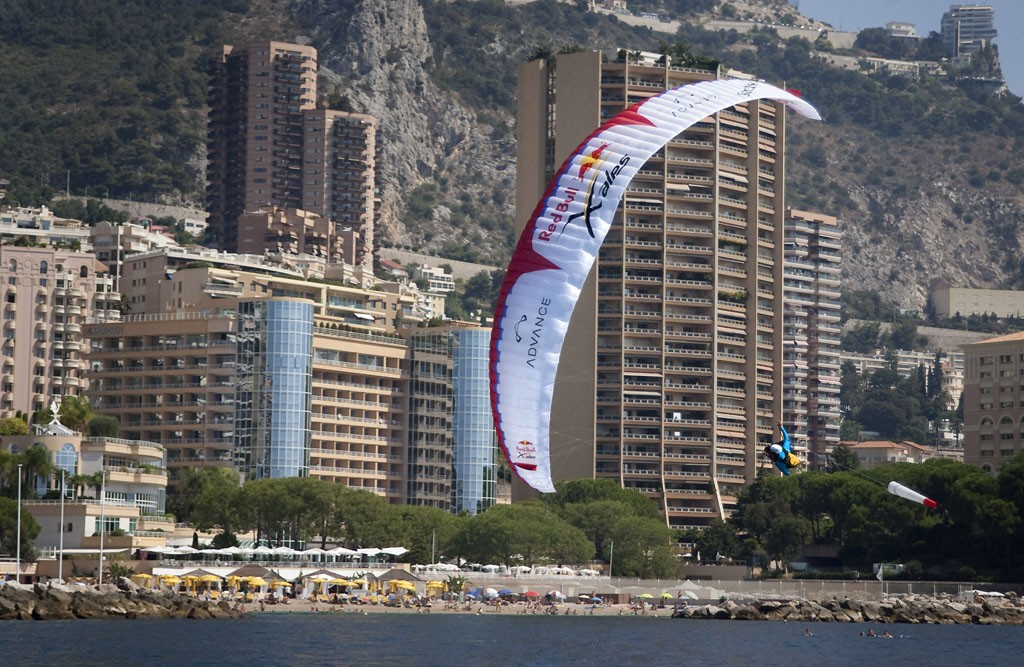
(45, 602)
(896, 609)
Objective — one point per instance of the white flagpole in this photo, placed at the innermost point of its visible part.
(17, 539)
(103, 481)
(60, 556)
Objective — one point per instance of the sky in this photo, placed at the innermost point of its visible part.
(856, 15)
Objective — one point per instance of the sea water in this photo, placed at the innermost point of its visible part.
(496, 640)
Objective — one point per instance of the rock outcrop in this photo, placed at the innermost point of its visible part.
(903, 609)
(45, 602)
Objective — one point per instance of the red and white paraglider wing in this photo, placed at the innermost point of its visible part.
(897, 489)
(559, 245)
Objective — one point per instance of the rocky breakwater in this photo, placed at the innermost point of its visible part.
(902, 609)
(45, 602)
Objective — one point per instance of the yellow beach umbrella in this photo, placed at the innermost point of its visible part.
(279, 584)
(340, 582)
(407, 585)
(255, 581)
(209, 578)
(359, 582)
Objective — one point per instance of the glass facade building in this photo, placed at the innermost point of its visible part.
(429, 455)
(275, 370)
(474, 488)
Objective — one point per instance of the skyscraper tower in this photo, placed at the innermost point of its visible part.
(811, 332)
(670, 377)
(258, 93)
(269, 146)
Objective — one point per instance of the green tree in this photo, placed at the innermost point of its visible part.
(106, 426)
(590, 490)
(13, 426)
(862, 338)
(76, 413)
(719, 538)
(843, 458)
(786, 537)
(526, 532)
(218, 500)
(642, 548)
(9, 530)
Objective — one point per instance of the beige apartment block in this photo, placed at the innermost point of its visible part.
(670, 377)
(169, 378)
(360, 394)
(273, 230)
(993, 401)
(169, 280)
(874, 453)
(192, 381)
(46, 296)
(343, 147)
(949, 301)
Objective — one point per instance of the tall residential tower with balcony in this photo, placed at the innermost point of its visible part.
(670, 377)
(270, 146)
(258, 93)
(46, 296)
(810, 394)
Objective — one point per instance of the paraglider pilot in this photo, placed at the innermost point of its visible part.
(781, 452)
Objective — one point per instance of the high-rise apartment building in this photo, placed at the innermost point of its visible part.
(46, 295)
(258, 93)
(670, 377)
(966, 29)
(340, 187)
(811, 346)
(269, 146)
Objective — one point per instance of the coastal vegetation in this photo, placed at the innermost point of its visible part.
(975, 535)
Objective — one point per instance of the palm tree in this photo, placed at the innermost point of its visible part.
(8, 468)
(36, 462)
(94, 480)
(455, 584)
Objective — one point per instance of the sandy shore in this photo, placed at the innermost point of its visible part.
(306, 607)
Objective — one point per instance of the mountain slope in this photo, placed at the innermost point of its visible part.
(925, 176)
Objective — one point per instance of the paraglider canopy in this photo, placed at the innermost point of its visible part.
(559, 245)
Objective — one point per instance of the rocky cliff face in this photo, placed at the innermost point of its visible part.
(376, 53)
(911, 217)
(911, 214)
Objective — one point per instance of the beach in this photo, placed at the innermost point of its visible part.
(299, 606)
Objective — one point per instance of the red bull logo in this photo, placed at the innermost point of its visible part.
(593, 160)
